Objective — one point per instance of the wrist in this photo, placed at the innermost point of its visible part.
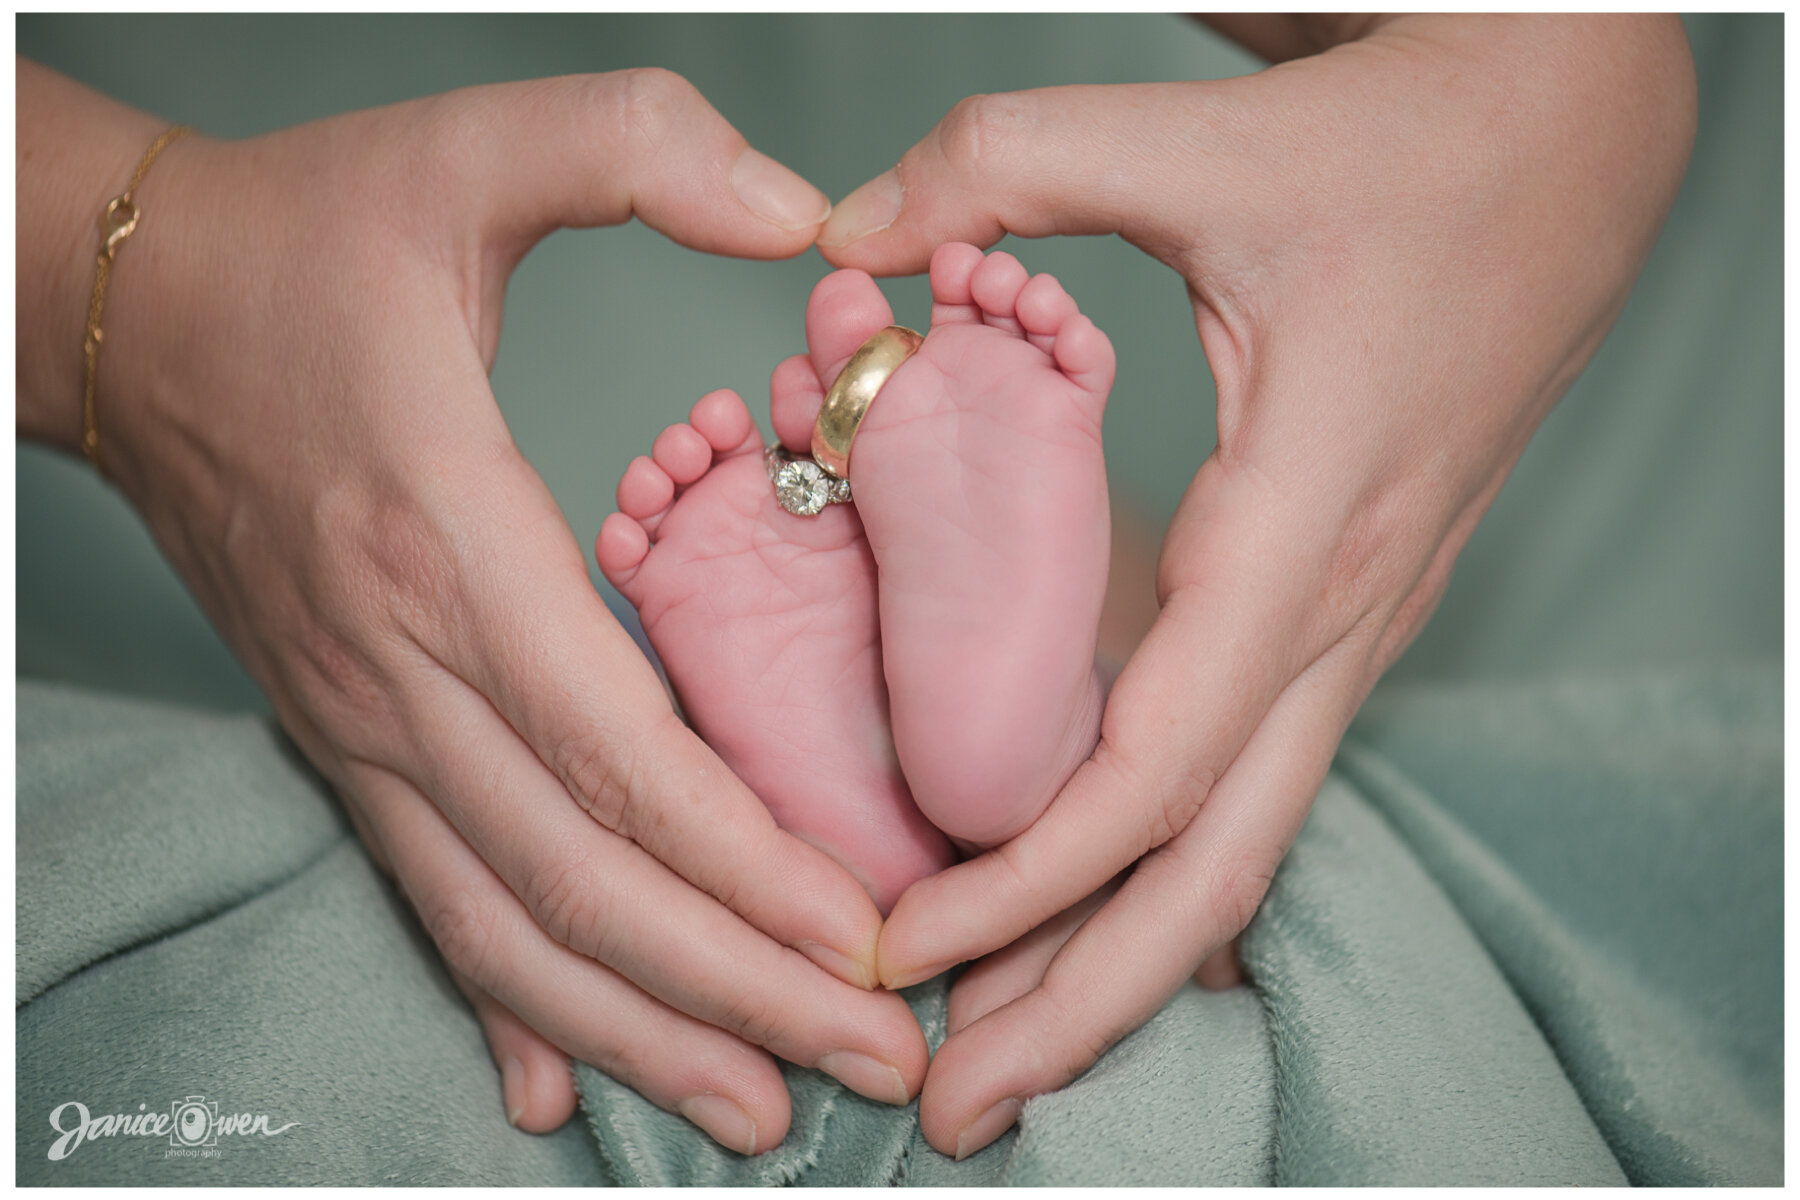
(147, 353)
(76, 151)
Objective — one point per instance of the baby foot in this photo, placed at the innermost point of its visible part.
(766, 625)
(979, 477)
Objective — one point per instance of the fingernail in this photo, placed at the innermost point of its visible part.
(906, 979)
(871, 208)
(724, 1121)
(512, 1085)
(988, 1126)
(776, 194)
(842, 965)
(865, 1076)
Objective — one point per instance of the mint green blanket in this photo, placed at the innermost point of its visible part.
(1530, 935)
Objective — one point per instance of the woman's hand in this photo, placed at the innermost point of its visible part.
(1400, 253)
(294, 394)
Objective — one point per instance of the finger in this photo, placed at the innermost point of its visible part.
(536, 640)
(535, 1083)
(605, 897)
(1062, 160)
(583, 150)
(730, 1089)
(1239, 629)
(321, 751)
(1009, 973)
(1180, 905)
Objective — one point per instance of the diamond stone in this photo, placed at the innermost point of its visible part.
(802, 488)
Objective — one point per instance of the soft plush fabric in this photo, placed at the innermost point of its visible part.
(1531, 934)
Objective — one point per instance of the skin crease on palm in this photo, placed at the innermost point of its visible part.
(1402, 243)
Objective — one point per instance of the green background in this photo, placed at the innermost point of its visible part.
(1642, 527)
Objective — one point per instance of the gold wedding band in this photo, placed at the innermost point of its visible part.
(847, 403)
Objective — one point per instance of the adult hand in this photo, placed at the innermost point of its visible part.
(1399, 252)
(294, 394)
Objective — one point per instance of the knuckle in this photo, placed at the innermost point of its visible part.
(986, 134)
(371, 585)
(335, 680)
(1235, 886)
(603, 779)
(730, 891)
(755, 1018)
(563, 898)
(1018, 869)
(1369, 560)
(1364, 559)
(608, 775)
(462, 924)
(403, 565)
(1193, 782)
(646, 102)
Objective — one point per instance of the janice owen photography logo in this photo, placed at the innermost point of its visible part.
(193, 1126)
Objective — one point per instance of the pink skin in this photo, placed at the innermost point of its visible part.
(981, 484)
(980, 480)
(766, 624)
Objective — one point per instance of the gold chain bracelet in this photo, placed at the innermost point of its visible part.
(116, 224)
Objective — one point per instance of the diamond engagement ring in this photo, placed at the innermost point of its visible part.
(801, 486)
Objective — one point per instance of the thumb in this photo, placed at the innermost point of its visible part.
(586, 150)
(1064, 160)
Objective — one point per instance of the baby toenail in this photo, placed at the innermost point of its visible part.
(776, 194)
(869, 209)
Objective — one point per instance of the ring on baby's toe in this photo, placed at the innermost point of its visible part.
(801, 486)
(847, 402)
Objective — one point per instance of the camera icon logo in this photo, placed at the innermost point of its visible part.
(194, 1122)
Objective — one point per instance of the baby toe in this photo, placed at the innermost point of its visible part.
(995, 286)
(1043, 307)
(645, 489)
(845, 309)
(952, 268)
(1085, 355)
(724, 420)
(683, 452)
(794, 399)
(620, 549)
